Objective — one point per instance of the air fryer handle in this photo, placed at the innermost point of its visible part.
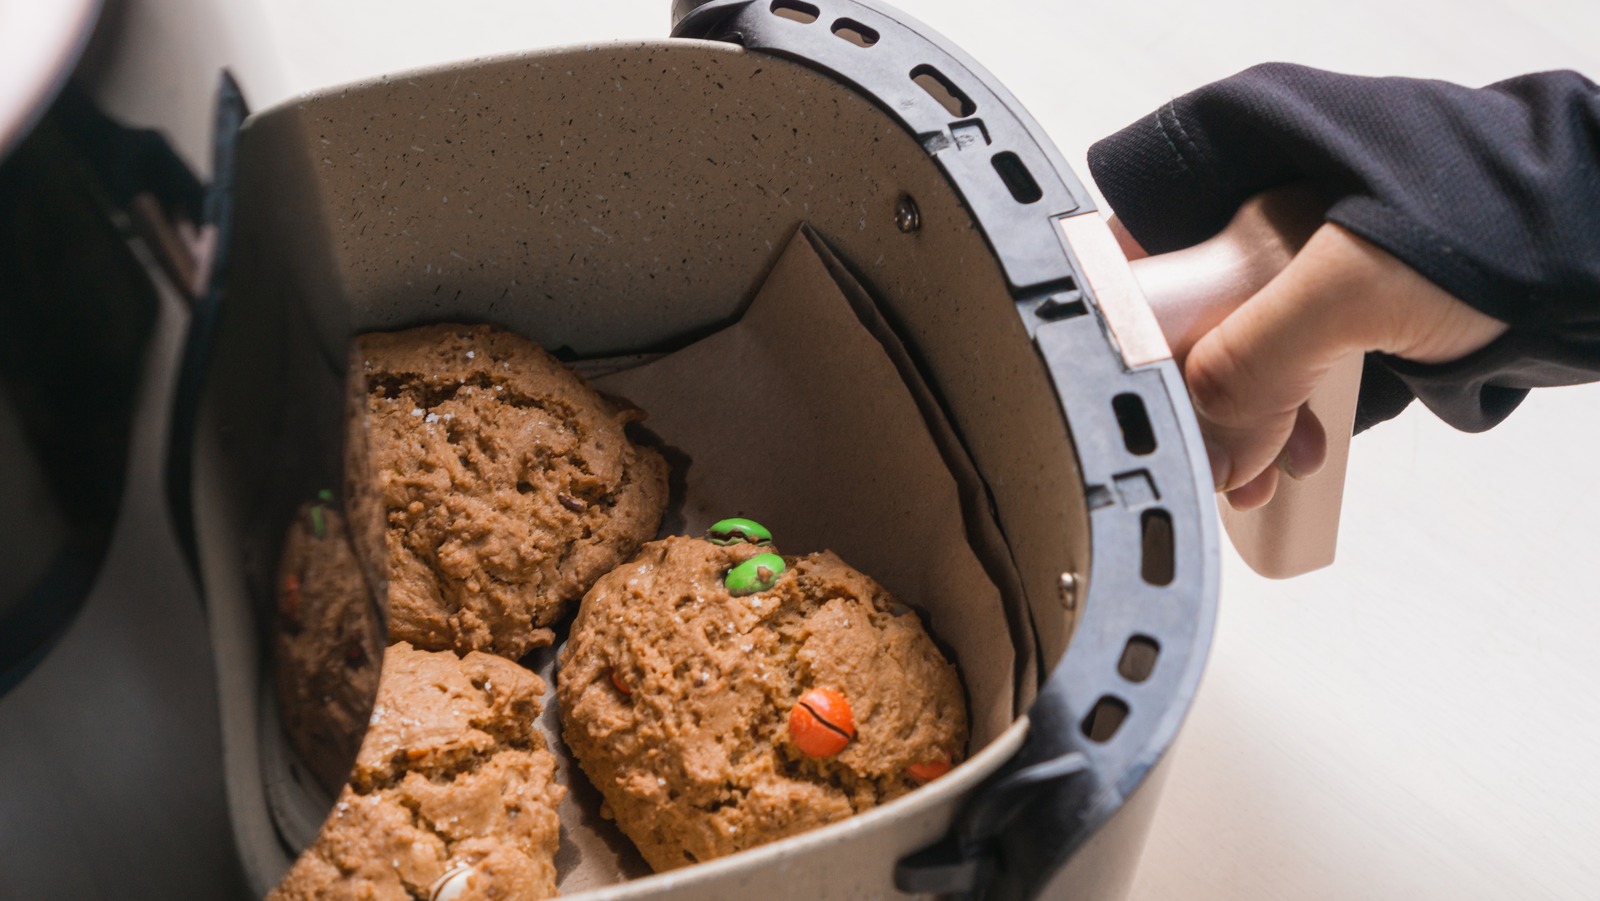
(1194, 289)
(1191, 291)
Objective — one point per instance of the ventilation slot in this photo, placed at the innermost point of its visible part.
(1105, 719)
(1157, 565)
(1137, 436)
(1062, 306)
(1138, 658)
(854, 32)
(796, 10)
(943, 90)
(1019, 181)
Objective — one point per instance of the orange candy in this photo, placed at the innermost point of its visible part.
(291, 596)
(821, 724)
(929, 770)
(618, 684)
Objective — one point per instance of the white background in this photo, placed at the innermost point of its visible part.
(1422, 720)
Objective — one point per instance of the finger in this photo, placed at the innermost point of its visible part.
(1256, 492)
(1250, 375)
(1302, 457)
(1306, 450)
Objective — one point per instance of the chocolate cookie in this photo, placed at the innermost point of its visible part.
(508, 484)
(327, 643)
(453, 783)
(721, 697)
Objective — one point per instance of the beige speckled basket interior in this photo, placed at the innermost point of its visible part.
(611, 200)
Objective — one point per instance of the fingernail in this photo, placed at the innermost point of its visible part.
(1285, 464)
(1221, 466)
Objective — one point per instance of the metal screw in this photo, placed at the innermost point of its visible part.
(1067, 586)
(906, 216)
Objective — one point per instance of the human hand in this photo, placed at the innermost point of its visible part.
(1250, 376)
(1489, 193)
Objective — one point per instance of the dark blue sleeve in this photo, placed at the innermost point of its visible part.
(1492, 193)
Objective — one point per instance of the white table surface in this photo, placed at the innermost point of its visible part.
(1417, 722)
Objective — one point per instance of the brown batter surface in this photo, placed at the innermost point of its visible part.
(452, 772)
(327, 644)
(508, 484)
(693, 753)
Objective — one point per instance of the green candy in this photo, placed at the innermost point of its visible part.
(735, 531)
(759, 573)
(318, 524)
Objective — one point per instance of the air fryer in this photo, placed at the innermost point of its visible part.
(627, 198)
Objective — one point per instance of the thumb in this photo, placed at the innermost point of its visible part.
(1250, 376)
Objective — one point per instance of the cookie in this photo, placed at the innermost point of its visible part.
(453, 782)
(327, 641)
(714, 720)
(508, 484)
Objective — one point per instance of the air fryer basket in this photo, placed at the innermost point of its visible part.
(623, 198)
